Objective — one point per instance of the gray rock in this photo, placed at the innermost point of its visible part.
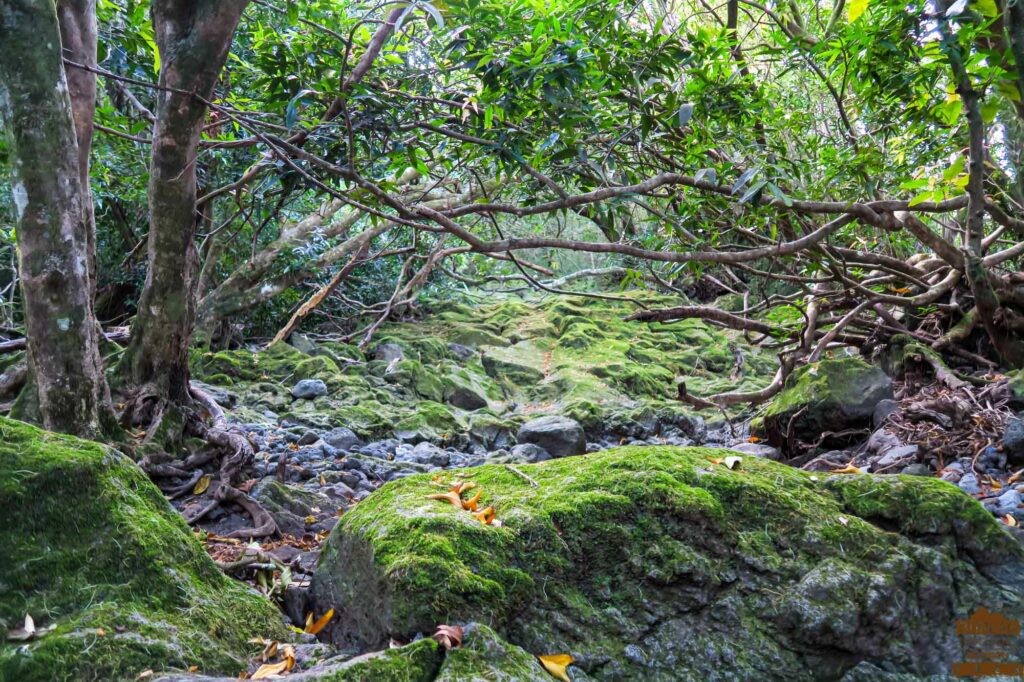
(302, 343)
(1007, 503)
(529, 452)
(757, 450)
(917, 469)
(466, 398)
(882, 441)
(221, 396)
(1013, 441)
(831, 396)
(969, 484)
(308, 389)
(388, 352)
(461, 352)
(341, 438)
(308, 438)
(883, 410)
(423, 453)
(560, 436)
(895, 456)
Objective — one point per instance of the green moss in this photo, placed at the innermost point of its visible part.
(430, 421)
(88, 543)
(829, 395)
(485, 656)
(416, 662)
(592, 546)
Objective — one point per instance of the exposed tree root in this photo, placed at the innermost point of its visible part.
(203, 418)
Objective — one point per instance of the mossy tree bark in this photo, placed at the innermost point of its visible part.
(193, 39)
(54, 212)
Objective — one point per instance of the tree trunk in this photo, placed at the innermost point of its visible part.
(54, 217)
(193, 39)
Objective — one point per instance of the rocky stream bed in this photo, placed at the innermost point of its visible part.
(626, 530)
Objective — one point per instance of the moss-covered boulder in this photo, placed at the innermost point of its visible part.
(89, 546)
(657, 563)
(823, 398)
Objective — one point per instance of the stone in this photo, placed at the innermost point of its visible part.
(1007, 503)
(88, 542)
(465, 398)
(308, 438)
(388, 352)
(882, 441)
(969, 484)
(307, 389)
(657, 564)
(341, 438)
(461, 352)
(824, 397)
(559, 436)
(302, 343)
(1013, 441)
(917, 469)
(530, 452)
(883, 410)
(424, 453)
(289, 505)
(757, 450)
(221, 396)
(897, 455)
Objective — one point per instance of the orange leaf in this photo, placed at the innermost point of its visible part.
(848, 469)
(448, 636)
(1009, 520)
(462, 486)
(486, 516)
(452, 498)
(753, 439)
(320, 624)
(556, 664)
(268, 669)
(472, 503)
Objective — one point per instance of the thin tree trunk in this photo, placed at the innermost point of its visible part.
(193, 39)
(54, 217)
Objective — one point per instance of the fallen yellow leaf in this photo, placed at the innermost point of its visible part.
(848, 469)
(268, 669)
(315, 628)
(556, 665)
(716, 460)
(1009, 520)
(450, 497)
(486, 516)
(753, 439)
(144, 675)
(202, 484)
(462, 486)
(472, 503)
(100, 632)
(310, 519)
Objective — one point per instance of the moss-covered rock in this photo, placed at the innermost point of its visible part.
(656, 563)
(485, 656)
(416, 662)
(89, 545)
(824, 397)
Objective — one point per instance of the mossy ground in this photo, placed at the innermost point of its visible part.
(654, 562)
(578, 358)
(88, 543)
